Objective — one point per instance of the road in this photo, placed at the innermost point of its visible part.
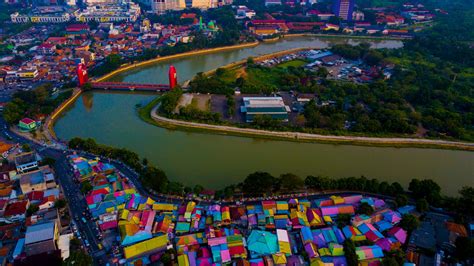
(77, 205)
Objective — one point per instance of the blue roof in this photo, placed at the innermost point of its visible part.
(19, 247)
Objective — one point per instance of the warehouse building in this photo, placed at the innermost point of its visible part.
(272, 106)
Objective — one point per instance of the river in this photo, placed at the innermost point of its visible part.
(217, 160)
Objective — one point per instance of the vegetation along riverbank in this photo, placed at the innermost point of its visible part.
(383, 101)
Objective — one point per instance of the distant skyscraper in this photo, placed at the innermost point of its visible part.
(344, 9)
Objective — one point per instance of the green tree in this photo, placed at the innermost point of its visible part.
(464, 248)
(409, 222)
(86, 187)
(32, 209)
(26, 147)
(155, 179)
(259, 183)
(466, 201)
(291, 182)
(389, 261)
(343, 220)
(60, 203)
(78, 258)
(365, 208)
(350, 253)
(401, 200)
(198, 189)
(422, 205)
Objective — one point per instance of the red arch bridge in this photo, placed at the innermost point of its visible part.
(130, 86)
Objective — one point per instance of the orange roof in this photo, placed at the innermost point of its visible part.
(457, 228)
(5, 192)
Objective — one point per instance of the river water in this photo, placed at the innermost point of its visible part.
(217, 160)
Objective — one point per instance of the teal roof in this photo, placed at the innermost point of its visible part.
(262, 243)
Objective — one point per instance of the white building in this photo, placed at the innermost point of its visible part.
(109, 13)
(40, 18)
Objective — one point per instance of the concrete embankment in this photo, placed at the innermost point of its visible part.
(307, 137)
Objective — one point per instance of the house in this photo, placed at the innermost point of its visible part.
(15, 211)
(38, 180)
(25, 162)
(41, 238)
(27, 124)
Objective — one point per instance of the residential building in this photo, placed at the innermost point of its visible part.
(272, 106)
(38, 180)
(26, 162)
(161, 6)
(344, 9)
(27, 124)
(202, 4)
(41, 238)
(272, 2)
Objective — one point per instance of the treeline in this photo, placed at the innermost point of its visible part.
(424, 192)
(169, 101)
(150, 176)
(33, 103)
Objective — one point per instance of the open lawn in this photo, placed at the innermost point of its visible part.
(264, 76)
(293, 63)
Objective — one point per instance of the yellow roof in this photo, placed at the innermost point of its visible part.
(183, 260)
(284, 247)
(124, 214)
(158, 242)
(150, 201)
(279, 258)
(328, 219)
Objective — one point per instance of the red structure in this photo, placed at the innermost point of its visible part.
(173, 77)
(82, 74)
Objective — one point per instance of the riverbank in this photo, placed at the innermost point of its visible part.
(302, 137)
(382, 38)
(176, 56)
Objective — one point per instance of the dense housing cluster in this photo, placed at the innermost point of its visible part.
(287, 231)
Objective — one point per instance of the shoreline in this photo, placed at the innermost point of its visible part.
(340, 36)
(254, 133)
(394, 142)
(175, 56)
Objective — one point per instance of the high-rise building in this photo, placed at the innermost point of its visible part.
(160, 6)
(344, 9)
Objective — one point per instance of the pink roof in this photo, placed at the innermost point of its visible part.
(108, 225)
(27, 120)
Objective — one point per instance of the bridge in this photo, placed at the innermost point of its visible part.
(130, 86)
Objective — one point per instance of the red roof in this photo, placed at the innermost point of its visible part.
(268, 21)
(16, 208)
(27, 120)
(77, 27)
(3, 203)
(36, 195)
(190, 15)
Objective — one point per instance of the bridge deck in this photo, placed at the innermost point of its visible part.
(130, 86)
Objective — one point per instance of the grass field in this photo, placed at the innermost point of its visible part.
(293, 63)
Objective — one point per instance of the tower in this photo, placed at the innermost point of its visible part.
(82, 76)
(173, 77)
(344, 9)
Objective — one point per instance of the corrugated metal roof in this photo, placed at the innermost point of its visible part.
(39, 232)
